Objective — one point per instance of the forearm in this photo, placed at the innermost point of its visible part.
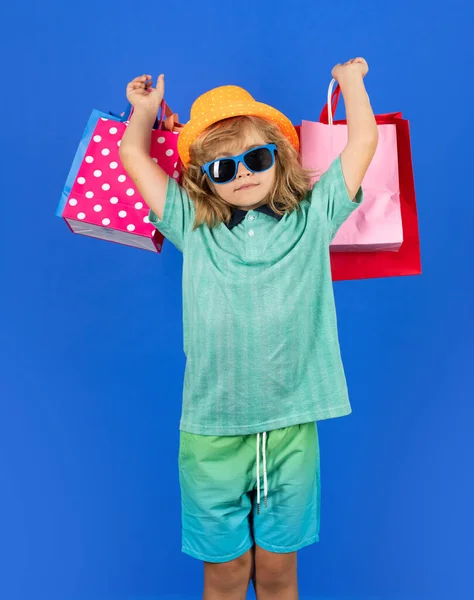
(137, 136)
(361, 123)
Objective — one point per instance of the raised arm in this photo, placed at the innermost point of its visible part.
(362, 128)
(148, 177)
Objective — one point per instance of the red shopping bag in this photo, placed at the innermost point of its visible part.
(406, 261)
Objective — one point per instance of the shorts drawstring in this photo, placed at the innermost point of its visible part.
(265, 484)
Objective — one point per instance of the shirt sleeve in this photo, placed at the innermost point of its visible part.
(331, 199)
(178, 215)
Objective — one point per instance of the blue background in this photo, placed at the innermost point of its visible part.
(91, 332)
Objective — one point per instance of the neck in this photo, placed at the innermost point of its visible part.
(247, 208)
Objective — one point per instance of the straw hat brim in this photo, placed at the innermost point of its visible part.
(193, 128)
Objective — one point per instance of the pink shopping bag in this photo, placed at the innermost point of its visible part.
(99, 199)
(377, 223)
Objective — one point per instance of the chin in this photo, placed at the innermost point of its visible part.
(257, 194)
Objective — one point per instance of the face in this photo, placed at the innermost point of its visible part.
(259, 184)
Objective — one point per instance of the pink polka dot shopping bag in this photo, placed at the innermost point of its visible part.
(99, 199)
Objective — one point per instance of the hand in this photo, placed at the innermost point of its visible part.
(143, 96)
(355, 65)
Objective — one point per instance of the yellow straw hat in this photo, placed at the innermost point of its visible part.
(222, 103)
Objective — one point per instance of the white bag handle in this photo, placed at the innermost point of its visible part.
(330, 89)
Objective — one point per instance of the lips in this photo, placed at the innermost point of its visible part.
(247, 187)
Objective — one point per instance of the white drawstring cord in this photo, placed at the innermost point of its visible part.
(265, 483)
(258, 473)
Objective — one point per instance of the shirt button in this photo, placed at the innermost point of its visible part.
(251, 232)
(251, 218)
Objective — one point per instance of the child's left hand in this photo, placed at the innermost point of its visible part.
(355, 65)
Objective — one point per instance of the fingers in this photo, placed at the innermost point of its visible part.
(146, 79)
(359, 59)
(141, 78)
(145, 82)
(140, 82)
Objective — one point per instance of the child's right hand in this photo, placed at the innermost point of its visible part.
(143, 96)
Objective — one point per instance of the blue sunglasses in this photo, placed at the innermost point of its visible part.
(257, 160)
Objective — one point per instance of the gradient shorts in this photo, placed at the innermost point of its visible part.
(218, 476)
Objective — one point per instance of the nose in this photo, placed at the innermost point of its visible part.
(242, 170)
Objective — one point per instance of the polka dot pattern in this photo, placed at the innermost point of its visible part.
(224, 102)
(104, 195)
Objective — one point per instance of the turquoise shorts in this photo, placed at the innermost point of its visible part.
(223, 478)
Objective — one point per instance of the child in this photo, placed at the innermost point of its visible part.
(260, 335)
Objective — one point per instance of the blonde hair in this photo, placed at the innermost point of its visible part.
(292, 181)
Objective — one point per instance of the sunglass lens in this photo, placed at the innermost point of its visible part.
(260, 159)
(222, 171)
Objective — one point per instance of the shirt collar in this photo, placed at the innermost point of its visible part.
(238, 215)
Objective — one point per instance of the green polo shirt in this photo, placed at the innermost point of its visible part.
(259, 319)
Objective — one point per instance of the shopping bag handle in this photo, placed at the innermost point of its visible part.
(330, 108)
(170, 123)
(329, 111)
